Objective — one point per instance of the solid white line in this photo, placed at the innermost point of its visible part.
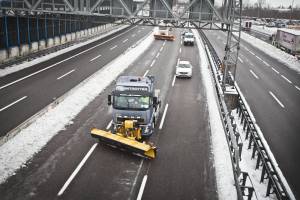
(181, 42)
(66, 74)
(95, 58)
(240, 60)
(109, 125)
(152, 63)
(298, 88)
(276, 99)
(146, 73)
(286, 79)
(135, 179)
(180, 50)
(266, 63)
(251, 52)
(164, 43)
(275, 70)
(125, 40)
(173, 82)
(178, 60)
(37, 72)
(67, 183)
(157, 55)
(258, 58)
(163, 117)
(141, 191)
(161, 48)
(13, 103)
(113, 47)
(246, 48)
(254, 74)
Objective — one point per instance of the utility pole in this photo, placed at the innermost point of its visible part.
(291, 10)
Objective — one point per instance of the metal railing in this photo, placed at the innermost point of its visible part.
(265, 161)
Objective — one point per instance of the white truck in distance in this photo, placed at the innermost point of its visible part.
(188, 39)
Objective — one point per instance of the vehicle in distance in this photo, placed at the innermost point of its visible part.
(184, 69)
(188, 39)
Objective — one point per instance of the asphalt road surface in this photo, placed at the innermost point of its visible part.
(183, 168)
(273, 93)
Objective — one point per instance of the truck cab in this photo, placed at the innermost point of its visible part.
(134, 98)
(188, 39)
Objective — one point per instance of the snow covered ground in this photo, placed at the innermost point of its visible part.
(285, 58)
(263, 29)
(18, 150)
(222, 161)
(15, 68)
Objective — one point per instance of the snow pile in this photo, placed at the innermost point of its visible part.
(17, 151)
(223, 166)
(281, 56)
(263, 29)
(15, 68)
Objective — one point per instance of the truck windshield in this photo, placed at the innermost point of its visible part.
(189, 36)
(131, 102)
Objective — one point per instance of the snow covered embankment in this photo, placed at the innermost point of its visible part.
(222, 160)
(17, 151)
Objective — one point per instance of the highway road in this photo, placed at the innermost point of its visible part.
(273, 93)
(183, 168)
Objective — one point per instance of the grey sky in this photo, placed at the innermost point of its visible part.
(273, 3)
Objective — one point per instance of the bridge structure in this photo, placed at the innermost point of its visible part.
(23, 22)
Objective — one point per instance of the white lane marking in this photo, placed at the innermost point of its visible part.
(240, 60)
(181, 42)
(141, 191)
(254, 74)
(266, 63)
(125, 40)
(146, 73)
(163, 117)
(258, 58)
(173, 82)
(37, 72)
(13, 103)
(66, 74)
(109, 125)
(251, 52)
(157, 55)
(135, 179)
(164, 43)
(277, 100)
(133, 35)
(178, 60)
(275, 70)
(285, 78)
(152, 63)
(161, 48)
(95, 58)
(224, 43)
(113, 47)
(298, 88)
(246, 48)
(67, 183)
(139, 31)
(180, 50)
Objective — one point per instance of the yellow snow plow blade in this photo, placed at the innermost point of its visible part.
(164, 37)
(128, 143)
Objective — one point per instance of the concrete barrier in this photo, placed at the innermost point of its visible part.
(89, 31)
(3, 55)
(13, 52)
(42, 44)
(73, 36)
(82, 33)
(34, 46)
(63, 39)
(24, 49)
(56, 40)
(50, 42)
(78, 35)
(69, 37)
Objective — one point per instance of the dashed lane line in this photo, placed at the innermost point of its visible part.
(179, 50)
(125, 40)
(173, 82)
(109, 125)
(240, 60)
(298, 88)
(276, 99)
(66, 74)
(161, 48)
(142, 188)
(112, 48)
(146, 73)
(157, 55)
(13, 103)
(95, 58)
(275, 70)
(75, 172)
(251, 52)
(285, 78)
(152, 63)
(266, 63)
(163, 117)
(254, 74)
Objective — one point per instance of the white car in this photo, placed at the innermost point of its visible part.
(188, 39)
(184, 69)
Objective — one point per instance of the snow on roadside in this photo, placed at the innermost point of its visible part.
(18, 150)
(15, 68)
(222, 160)
(263, 29)
(281, 56)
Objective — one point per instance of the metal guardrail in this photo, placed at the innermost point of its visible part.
(276, 183)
